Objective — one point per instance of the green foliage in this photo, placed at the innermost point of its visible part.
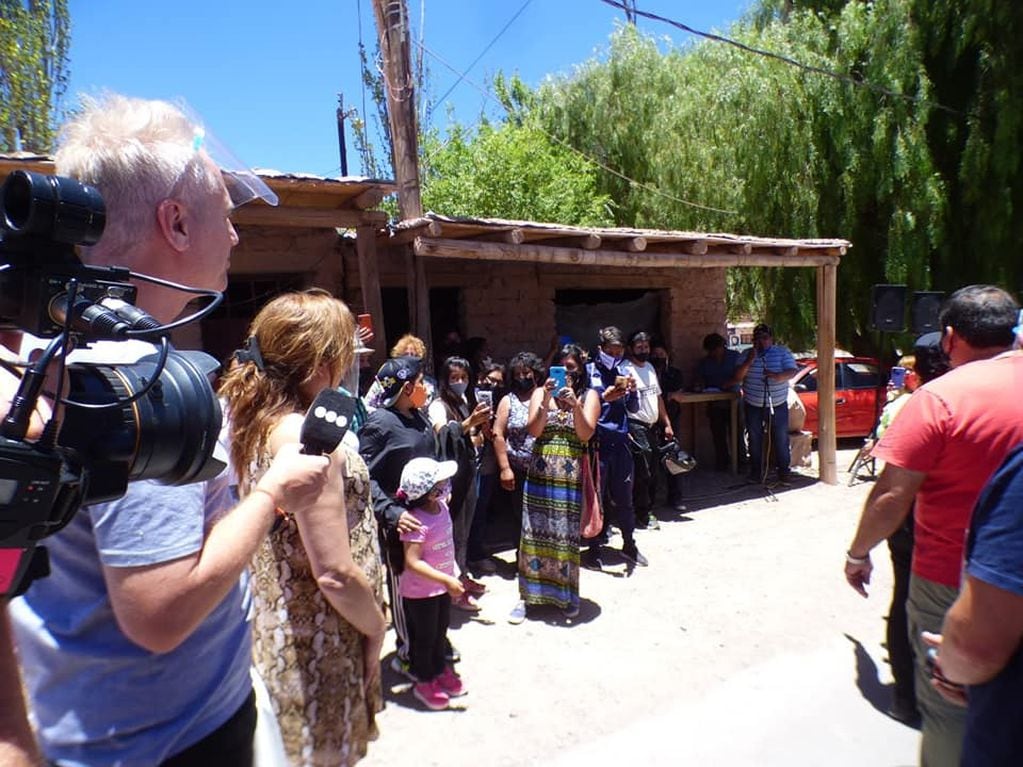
(510, 171)
(34, 40)
(771, 149)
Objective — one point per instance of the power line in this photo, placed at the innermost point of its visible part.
(630, 7)
(585, 156)
(490, 45)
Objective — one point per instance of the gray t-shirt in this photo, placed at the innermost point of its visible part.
(97, 697)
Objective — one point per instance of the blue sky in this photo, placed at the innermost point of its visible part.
(265, 76)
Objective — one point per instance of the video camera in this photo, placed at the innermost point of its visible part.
(157, 418)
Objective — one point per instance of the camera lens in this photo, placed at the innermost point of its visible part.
(53, 207)
(167, 435)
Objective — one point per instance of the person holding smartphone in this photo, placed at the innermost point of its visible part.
(561, 420)
(618, 400)
(646, 427)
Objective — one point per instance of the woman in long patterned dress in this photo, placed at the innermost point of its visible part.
(562, 423)
(318, 625)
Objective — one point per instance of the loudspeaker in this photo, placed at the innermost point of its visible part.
(888, 309)
(924, 310)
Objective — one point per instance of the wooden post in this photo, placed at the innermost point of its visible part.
(369, 284)
(393, 32)
(827, 286)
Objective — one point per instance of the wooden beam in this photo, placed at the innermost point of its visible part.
(510, 236)
(827, 300)
(585, 241)
(404, 236)
(368, 199)
(635, 244)
(315, 218)
(474, 250)
(369, 284)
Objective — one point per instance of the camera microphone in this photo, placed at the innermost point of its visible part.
(326, 422)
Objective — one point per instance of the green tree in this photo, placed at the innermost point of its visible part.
(34, 40)
(510, 171)
(744, 143)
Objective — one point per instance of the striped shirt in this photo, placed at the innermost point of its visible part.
(775, 359)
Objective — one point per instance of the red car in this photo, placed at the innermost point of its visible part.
(859, 394)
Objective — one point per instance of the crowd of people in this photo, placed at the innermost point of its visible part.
(182, 625)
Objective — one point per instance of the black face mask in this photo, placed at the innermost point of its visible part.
(642, 356)
(522, 385)
(659, 362)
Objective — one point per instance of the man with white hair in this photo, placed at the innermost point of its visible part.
(136, 649)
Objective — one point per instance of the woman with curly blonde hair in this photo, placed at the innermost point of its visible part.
(318, 627)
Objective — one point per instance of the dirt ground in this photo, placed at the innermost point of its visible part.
(740, 644)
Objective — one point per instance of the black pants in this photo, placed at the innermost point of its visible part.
(720, 425)
(900, 650)
(427, 620)
(644, 472)
(229, 744)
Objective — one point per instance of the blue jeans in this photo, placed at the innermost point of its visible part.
(779, 437)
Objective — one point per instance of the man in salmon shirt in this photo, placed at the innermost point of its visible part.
(944, 446)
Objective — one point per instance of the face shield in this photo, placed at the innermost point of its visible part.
(243, 185)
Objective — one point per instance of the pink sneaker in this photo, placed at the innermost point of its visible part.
(431, 695)
(451, 683)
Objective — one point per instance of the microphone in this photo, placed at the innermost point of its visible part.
(326, 422)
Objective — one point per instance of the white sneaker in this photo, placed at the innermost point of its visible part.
(518, 613)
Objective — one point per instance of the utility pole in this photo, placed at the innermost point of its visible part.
(394, 34)
(341, 145)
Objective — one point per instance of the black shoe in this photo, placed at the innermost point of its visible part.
(631, 553)
(907, 713)
(590, 559)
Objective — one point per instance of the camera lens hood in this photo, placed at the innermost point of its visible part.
(168, 435)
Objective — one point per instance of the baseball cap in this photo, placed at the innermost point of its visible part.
(763, 330)
(394, 374)
(421, 474)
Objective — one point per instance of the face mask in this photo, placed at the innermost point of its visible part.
(659, 362)
(522, 385)
(606, 360)
(459, 388)
(418, 396)
(642, 356)
(442, 490)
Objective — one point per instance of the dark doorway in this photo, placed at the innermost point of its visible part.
(579, 314)
(396, 319)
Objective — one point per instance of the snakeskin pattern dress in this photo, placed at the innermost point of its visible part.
(309, 656)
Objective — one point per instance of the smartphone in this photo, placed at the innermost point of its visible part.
(898, 377)
(366, 322)
(485, 397)
(557, 372)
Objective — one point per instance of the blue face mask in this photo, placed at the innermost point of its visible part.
(459, 388)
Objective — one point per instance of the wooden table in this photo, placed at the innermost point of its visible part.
(692, 398)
